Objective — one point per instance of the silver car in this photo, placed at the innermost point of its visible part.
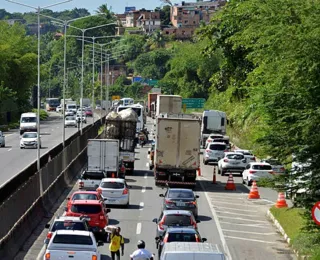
(115, 191)
(70, 121)
(232, 163)
(277, 167)
(2, 140)
(247, 154)
(214, 152)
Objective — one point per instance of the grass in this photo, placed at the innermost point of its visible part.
(100, 130)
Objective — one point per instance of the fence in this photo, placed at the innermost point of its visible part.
(23, 210)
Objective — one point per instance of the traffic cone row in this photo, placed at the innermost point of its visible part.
(254, 193)
(281, 202)
(230, 184)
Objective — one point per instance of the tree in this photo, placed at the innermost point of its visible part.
(103, 9)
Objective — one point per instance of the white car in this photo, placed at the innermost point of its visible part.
(254, 171)
(29, 140)
(214, 152)
(2, 140)
(73, 244)
(232, 163)
(70, 121)
(69, 112)
(59, 109)
(115, 191)
(98, 107)
(214, 138)
(277, 167)
(81, 117)
(248, 154)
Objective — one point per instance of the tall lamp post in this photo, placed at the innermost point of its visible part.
(38, 10)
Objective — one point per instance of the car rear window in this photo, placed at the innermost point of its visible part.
(261, 167)
(182, 237)
(235, 156)
(112, 185)
(86, 209)
(84, 197)
(273, 162)
(217, 147)
(72, 239)
(68, 225)
(177, 220)
(178, 194)
(93, 175)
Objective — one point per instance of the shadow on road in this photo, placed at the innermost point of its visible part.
(113, 222)
(204, 218)
(208, 186)
(142, 173)
(130, 180)
(136, 187)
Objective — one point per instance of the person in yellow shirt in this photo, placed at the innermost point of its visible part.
(116, 242)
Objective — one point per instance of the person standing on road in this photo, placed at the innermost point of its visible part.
(141, 253)
(116, 242)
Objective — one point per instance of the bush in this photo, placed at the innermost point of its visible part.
(43, 114)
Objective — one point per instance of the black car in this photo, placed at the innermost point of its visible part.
(178, 235)
(183, 199)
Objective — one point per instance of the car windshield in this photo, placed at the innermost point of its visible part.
(235, 156)
(72, 239)
(93, 176)
(273, 162)
(182, 237)
(112, 185)
(86, 209)
(216, 137)
(248, 153)
(217, 147)
(72, 107)
(180, 194)
(84, 197)
(29, 135)
(68, 225)
(177, 220)
(28, 120)
(261, 167)
(70, 118)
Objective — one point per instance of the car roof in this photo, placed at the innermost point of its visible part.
(72, 232)
(216, 135)
(64, 218)
(85, 192)
(113, 180)
(217, 143)
(180, 230)
(178, 189)
(88, 202)
(173, 212)
(28, 114)
(30, 133)
(227, 153)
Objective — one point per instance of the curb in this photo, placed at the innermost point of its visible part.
(286, 237)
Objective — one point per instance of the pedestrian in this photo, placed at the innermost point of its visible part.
(116, 242)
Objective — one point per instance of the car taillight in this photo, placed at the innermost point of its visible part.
(165, 240)
(123, 169)
(252, 172)
(81, 184)
(47, 256)
(101, 217)
(197, 239)
(209, 141)
(282, 169)
(125, 191)
(161, 223)
(194, 224)
(254, 158)
(208, 151)
(225, 151)
(225, 160)
(168, 202)
(49, 236)
(161, 173)
(192, 202)
(94, 257)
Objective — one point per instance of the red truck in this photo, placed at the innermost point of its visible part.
(152, 103)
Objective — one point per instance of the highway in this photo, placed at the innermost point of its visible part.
(13, 159)
(228, 218)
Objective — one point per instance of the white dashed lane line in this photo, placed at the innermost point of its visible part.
(143, 189)
(139, 226)
(141, 205)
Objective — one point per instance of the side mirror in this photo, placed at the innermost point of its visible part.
(108, 211)
(47, 225)
(100, 243)
(244, 160)
(204, 239)
(68, 198)
(155, 220)
(198, 221)
(161, 195)
(197, 196)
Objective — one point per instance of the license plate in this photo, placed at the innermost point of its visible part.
(180, 204)
(235, 162)
(125, 157)
(111, 200)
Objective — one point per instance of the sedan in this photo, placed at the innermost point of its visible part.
(232, 163)
(255, 171)
(174, 218)
(214, 152)
(183, 199)
(29, 140)
(59, 109)
(69, 112)
(70, 121)
(89, 112)
(178, 235)
(115, 191)
(277, 166)
(2, 140)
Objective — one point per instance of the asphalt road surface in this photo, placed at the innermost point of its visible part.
(13, 159)
(238, 225)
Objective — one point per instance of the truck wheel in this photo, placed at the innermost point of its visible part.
(222, 172)
(205, 162)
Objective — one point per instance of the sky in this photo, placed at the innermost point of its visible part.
(118, 6)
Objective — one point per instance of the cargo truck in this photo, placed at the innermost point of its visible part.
(177, 150)
(152, 104)
(122, 126)
(170, 104)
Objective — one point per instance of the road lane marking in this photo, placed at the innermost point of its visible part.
(215, 216)
(143, 189)
(141, 205)
(236, 213)
(9, 149)
(248, 232)
(219, 202)
(41, 253)
(227, 197)
(246, 225)
(146, 175)
(244, 219)
(247, 210)
(138, 231)
(253, 240)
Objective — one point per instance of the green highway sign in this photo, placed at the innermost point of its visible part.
(193, 102)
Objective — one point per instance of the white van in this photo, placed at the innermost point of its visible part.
(72, 107)
(28, 122)
(191, 251)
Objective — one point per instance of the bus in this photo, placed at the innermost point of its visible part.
(140, 112)
(52, 104)
(126, 101)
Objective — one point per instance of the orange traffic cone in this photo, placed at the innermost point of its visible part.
(214, 181)
(230, 184)
(281, 202)
(254, 193)
(199, 172)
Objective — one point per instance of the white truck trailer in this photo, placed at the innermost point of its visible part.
(169, 104)
(177, 150)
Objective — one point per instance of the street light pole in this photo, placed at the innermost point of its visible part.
(101, 76)
(107, 78)
(93, 81)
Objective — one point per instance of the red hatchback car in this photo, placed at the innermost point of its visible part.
(83, 195)
(96, 214)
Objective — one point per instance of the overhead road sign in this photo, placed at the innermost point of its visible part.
(193, 102)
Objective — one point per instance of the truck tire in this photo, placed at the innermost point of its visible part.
(205, 162)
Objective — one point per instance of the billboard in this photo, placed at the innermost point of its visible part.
(129, 9)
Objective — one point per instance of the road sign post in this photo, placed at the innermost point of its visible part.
(315, 212)
(193, 102)
(184, 108)
(116, 98)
